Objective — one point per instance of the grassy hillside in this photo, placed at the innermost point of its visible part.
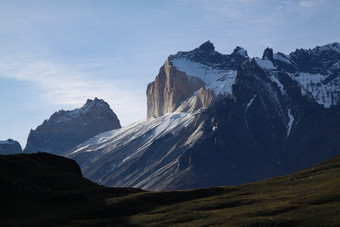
(40, 189)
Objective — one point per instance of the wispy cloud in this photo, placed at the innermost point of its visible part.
(62, 85)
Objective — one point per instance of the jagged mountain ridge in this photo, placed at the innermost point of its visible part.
(248, 121)
(67, 129)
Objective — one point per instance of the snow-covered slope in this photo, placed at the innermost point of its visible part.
(218, 80)
(149, 130)
(111, 153)
(316, 70)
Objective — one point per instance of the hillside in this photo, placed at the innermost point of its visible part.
(43, 189)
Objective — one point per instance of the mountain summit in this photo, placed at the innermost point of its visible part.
(216, 119)
(66, 129)
(9, 147)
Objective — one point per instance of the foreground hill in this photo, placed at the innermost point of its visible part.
(43, 189)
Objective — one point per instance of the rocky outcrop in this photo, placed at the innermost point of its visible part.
(170, 88)
(10, 147)
(66, 129)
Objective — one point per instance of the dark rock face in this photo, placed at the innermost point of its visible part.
(282, 115)
(66, 129)
(10, 147)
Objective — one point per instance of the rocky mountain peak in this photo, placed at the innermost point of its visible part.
(240, 51)
(66, 129)
(207, 47)
(95, 101)
(268, 54)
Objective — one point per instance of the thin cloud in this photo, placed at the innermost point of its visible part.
(62, 86)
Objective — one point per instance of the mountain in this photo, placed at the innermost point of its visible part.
(67, 129)
(10, 147)
(46, 190)
(217, 119)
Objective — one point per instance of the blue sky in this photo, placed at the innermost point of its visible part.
(55, 54)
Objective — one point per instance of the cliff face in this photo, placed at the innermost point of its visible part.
(10, 147)
(170, 88)
(66, 129)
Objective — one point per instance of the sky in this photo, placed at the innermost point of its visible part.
(56, 54)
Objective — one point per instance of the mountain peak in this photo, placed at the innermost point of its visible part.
(239, 50)
(9, 146)
(95, 100)
(207, 47)
(268, 54)
(66, 129)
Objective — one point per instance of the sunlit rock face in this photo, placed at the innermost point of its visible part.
(66, 129)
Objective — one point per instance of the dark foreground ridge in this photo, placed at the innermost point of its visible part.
(44, 189)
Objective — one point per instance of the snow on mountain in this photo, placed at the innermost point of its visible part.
(324, 93)
(132, 151)
(282, 57)
(264, 63)
(290, 123)
(220, 81)
(250, 102)
(150, 130)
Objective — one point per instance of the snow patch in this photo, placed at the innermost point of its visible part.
(324, 94)
(282, 57)
(220, 81)
(265, 64)
(275, 80)
(250, 102)
(290, 123)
